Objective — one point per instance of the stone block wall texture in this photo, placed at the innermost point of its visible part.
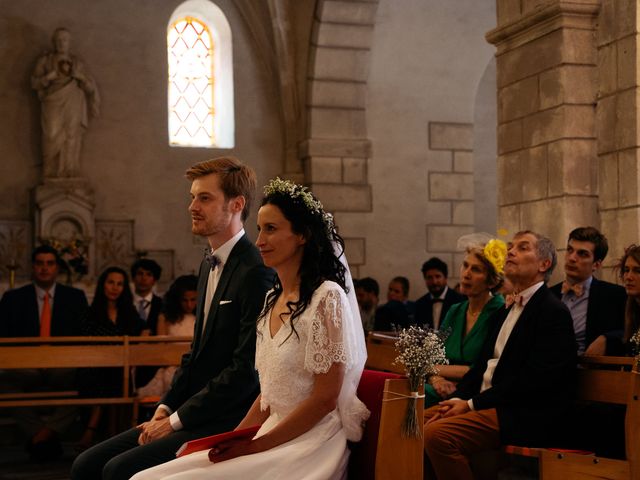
(450, 212)
(617, 126)
(124, 47)
(335, 156)
(548, 132)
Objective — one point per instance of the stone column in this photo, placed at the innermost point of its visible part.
(617, 126)
(546, 76)
(337, 150)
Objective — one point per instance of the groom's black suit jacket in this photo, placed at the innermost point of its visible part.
(534, 381)
(217, 380)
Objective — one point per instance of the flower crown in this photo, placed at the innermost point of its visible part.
(495, 251)
(295, 191)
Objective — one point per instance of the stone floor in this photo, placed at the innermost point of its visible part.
(16, 465)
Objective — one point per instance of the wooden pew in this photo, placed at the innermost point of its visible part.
(381, 353)
(614, 380)
(81, 352)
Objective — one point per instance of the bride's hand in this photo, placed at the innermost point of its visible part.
(233, 448)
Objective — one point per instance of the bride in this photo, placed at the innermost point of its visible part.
(310, 354)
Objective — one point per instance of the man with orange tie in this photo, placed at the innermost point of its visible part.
(42, 308)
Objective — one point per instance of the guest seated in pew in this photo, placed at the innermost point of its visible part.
(145, 273)
(42, 308)
(111, 314)
(432, 307)
(599, 427)
(367, 293)
(630, 274)
(520, 388)
(216, 382)
(177, 319)
(467, 324)
(398, 312)
(596, 306)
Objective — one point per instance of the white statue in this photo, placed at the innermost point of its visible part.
(65, 89)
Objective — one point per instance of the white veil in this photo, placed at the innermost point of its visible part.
(353, 412)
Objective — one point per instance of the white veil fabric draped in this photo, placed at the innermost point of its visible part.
(353, 413)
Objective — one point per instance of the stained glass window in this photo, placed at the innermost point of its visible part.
(191, 84)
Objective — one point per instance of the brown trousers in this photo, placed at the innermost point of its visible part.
(450, 442)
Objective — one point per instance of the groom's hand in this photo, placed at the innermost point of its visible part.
(153, 430)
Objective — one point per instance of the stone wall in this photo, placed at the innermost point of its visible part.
(617, 126)
(547, 84)
(451, 193)
(336, 153)
(137, 177)
(427, 62)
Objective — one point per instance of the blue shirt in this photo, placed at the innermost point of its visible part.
(578, 308)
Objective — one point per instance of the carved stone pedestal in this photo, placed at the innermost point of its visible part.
(64, 212)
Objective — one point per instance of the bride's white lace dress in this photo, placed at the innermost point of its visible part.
(286, 364)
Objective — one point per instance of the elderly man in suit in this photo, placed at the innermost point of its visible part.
(431, 308)
(42, 308)
(216, 382)
(596, 306)
(521, 386)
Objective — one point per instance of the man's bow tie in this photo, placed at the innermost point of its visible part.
(577, 289)
(212, 259)
(513, 298)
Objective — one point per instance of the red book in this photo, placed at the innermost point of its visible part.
(207, 443)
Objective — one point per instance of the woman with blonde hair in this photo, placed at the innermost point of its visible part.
(468, 323)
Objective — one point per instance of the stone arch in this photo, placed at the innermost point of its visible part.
(337, 149)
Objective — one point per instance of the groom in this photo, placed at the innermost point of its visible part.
(216, 382)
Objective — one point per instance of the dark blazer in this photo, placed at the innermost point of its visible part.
(19, 312)
(217, 379)
(154, 311)
(424, 307)
(393, 314)
(143, 375)
(534, 380)
(605, 312)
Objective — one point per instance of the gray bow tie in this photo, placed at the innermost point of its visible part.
(212, 259)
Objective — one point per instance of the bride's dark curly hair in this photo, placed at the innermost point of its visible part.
(319, 260)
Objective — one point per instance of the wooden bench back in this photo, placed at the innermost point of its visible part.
(82, 352)
(381, 353)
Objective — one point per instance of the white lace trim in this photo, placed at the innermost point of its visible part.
(326, 346)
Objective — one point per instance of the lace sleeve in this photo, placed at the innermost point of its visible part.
(325, 344)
